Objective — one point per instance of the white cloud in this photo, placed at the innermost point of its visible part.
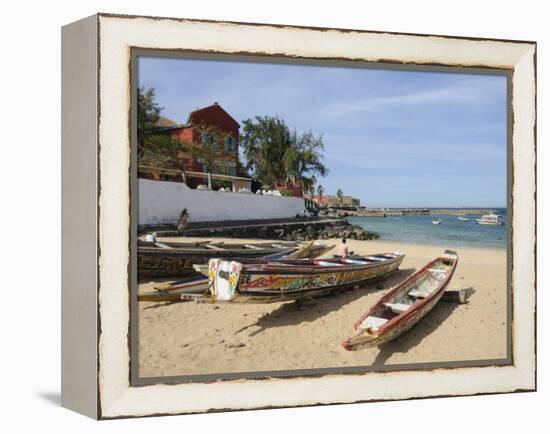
(467, 91)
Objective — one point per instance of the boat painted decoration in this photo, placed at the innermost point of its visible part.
(405, 305)
(283, 280)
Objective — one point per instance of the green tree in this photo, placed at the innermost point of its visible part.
(274, 154)
(320, 192)
(340, 196)
(264, 142)
(154, 149)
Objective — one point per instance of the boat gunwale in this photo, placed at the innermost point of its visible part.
(154, 251)
(317, 269)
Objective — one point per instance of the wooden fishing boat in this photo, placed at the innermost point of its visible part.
(310, 251)
(270, 281)
(199, 284)
(168, 261)
(405, 305)
(171, 244)
(172, 292)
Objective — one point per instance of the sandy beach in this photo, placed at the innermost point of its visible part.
(190, 339)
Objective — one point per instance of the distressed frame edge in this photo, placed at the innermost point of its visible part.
(304, 27)
(530, 384)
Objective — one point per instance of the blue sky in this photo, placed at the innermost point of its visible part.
(392, 137)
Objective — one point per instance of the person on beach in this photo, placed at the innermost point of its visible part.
(343, 249)
(181, 225)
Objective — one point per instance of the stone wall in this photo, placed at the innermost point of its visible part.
(297, 230)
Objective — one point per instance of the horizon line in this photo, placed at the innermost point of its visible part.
(438, 207)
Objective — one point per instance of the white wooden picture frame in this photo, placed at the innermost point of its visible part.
(97, 207)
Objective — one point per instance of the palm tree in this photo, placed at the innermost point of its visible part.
(340, 195)
(275, 154)
(320, 192)
(308, 185)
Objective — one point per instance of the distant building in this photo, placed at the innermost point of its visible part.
(291, 189)
(212, 116)
(334, 201)
(321, 201)
(349, 201)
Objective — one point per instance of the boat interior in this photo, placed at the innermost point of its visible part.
(268, 248)
(358, 260)
(338, 262)
(216, 247)
(409, 295)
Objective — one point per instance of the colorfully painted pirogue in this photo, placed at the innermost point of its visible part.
(267, 281)
(198, 283)
(405, 305)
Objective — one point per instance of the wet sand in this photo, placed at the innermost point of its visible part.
(191, 339)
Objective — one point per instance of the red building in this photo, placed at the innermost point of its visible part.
(295, 190)
(201, 126)
(211, 124)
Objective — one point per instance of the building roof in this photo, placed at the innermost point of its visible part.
(206, 114)
(159, 129)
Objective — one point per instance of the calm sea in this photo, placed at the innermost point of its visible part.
(451, 232)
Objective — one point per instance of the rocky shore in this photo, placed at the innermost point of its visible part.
(298, 229)
(311, 232)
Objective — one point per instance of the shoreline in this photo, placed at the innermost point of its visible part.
(195, 339)
(449, 233)
(442, 245)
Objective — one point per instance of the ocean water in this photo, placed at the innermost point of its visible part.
(451, 232)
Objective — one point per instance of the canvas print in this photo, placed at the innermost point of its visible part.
(304, 218)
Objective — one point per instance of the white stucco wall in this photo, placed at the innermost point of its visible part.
(161, 202)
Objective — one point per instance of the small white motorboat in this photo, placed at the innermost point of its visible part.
(436, 222)
(463, 219)
(490, 219)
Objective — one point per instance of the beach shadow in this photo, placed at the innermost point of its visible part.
(309, 310)
(160, 304)
(52, 398)
(468, 292)
(414, 336)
